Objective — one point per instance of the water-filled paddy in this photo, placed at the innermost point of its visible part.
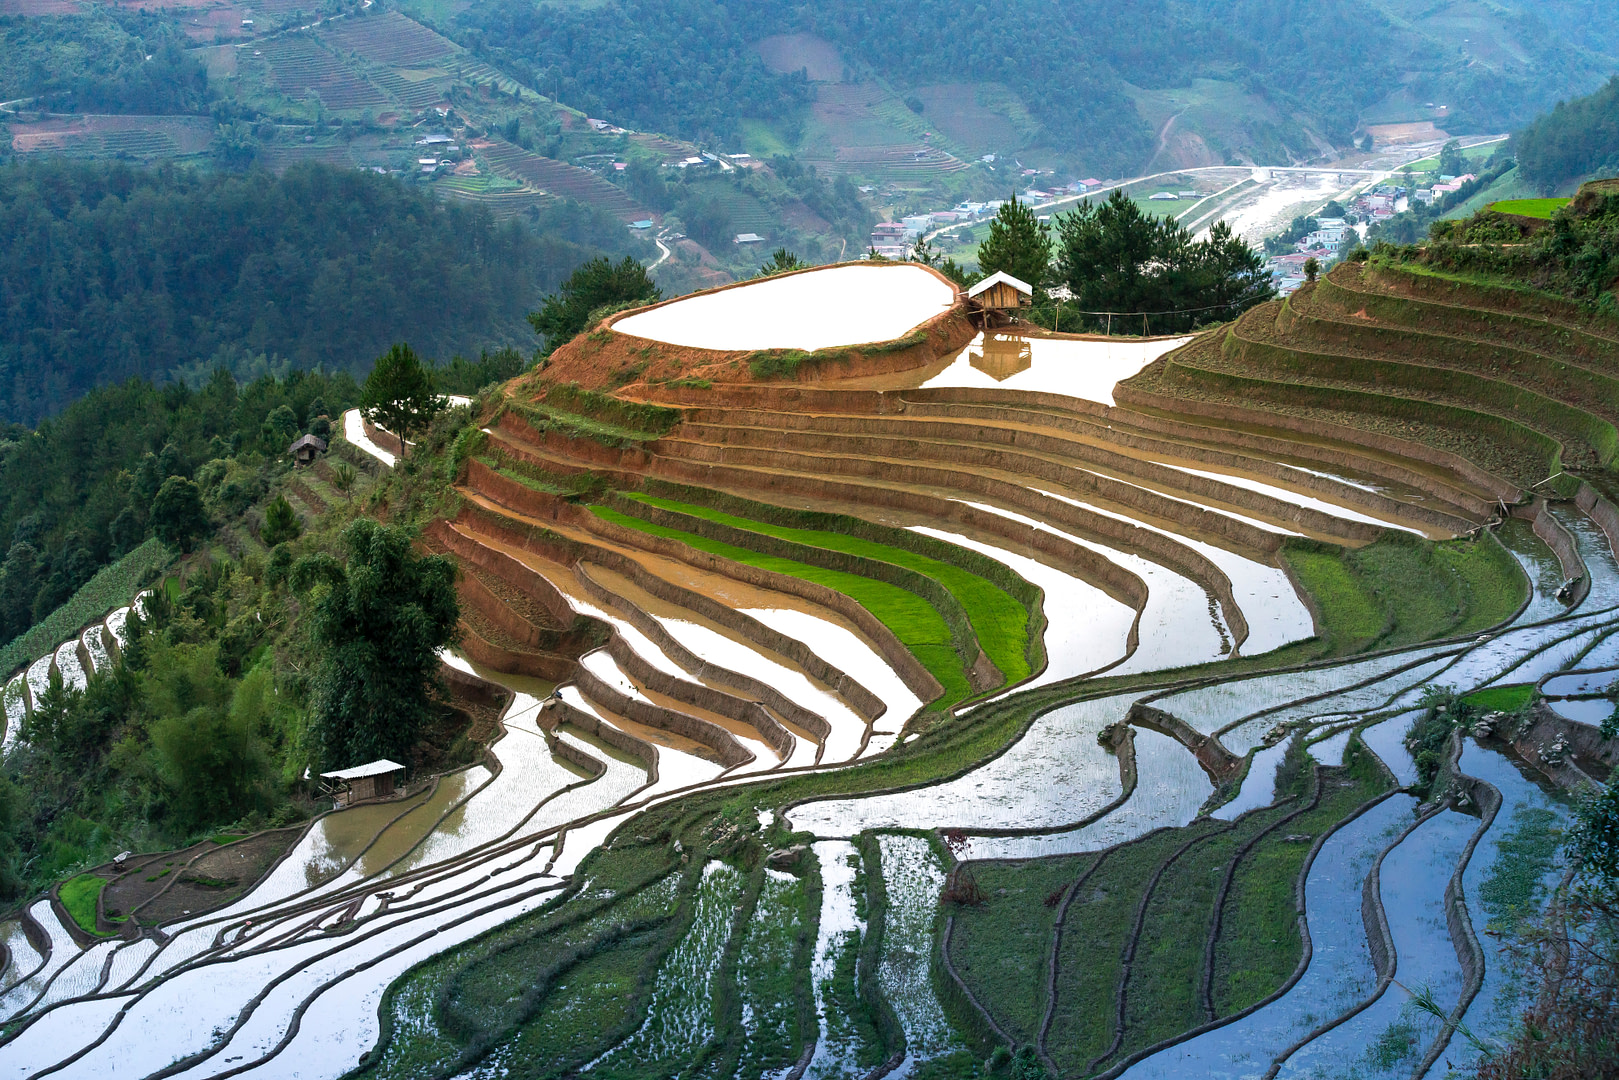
(1077, 369)
(840, 305)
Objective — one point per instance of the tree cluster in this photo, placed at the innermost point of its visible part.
(1113, 258)
(106, 61)
(1577, 138)
(592, 292)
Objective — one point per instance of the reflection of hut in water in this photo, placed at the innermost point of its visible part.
(1002, 356)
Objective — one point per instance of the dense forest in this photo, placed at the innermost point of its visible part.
(109, 61)
(686, 66)
(1575, 139)
(110, 272)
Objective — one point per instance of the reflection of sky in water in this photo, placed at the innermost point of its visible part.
(1054, 775)
(1258, 787)
(1170, 789)
(1078, 369)
(1589, 682)
(872, 303)
(1500, 1000)
(1340, 972)
(1273, 609)
(1412, 881)
(1590, 711)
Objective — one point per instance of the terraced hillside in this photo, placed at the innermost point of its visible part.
(859, 730)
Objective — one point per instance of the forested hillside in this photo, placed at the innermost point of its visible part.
(108, 60)
(110, 272)
(687, 67)
(1577, 138)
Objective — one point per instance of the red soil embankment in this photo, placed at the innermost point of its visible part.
(603, 357)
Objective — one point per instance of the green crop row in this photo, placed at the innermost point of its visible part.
(1000, 622)
(917, 625)
(112, 587)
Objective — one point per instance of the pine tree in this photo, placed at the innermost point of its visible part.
(1019, 244)
(280, 523)
(398, 394)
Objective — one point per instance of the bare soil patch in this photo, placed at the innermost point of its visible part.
(786, 53)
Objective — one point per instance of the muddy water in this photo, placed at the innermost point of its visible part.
(1086, 628)
(871, 303)
(1340, 972)
(1276, 616)
(1054, 776)
(1170, 789)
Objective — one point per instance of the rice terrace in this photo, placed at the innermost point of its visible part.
(877, 685)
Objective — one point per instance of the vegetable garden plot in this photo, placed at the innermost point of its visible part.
(1340, 973)
(1170, 789)
(1390, 1037)
(1055, 775)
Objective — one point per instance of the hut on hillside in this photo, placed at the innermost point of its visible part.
(374, 780)
(1001, 292)
(307, 449)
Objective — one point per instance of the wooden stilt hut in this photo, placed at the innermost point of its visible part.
(999, 295)
(373, 780)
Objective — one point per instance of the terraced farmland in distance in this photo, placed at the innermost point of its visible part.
(873, 723)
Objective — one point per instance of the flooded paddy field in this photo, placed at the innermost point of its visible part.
(876, 723)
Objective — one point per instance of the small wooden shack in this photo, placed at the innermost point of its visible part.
(1001, 292)
(374, 780)
(307, 449)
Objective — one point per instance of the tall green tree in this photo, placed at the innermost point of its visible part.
(178, 517)
(280, 523)
(594, 286)
(379, 618)
(398, 394)
(1019, 244)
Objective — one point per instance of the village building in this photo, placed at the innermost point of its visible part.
(306, 449)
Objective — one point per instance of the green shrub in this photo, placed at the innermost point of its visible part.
(79, 896)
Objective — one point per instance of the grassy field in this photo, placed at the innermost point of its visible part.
(1503, 698)
(1399, 591)
(1475, 155)
(913, 621)
(1530, 208)
(1000, 622)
